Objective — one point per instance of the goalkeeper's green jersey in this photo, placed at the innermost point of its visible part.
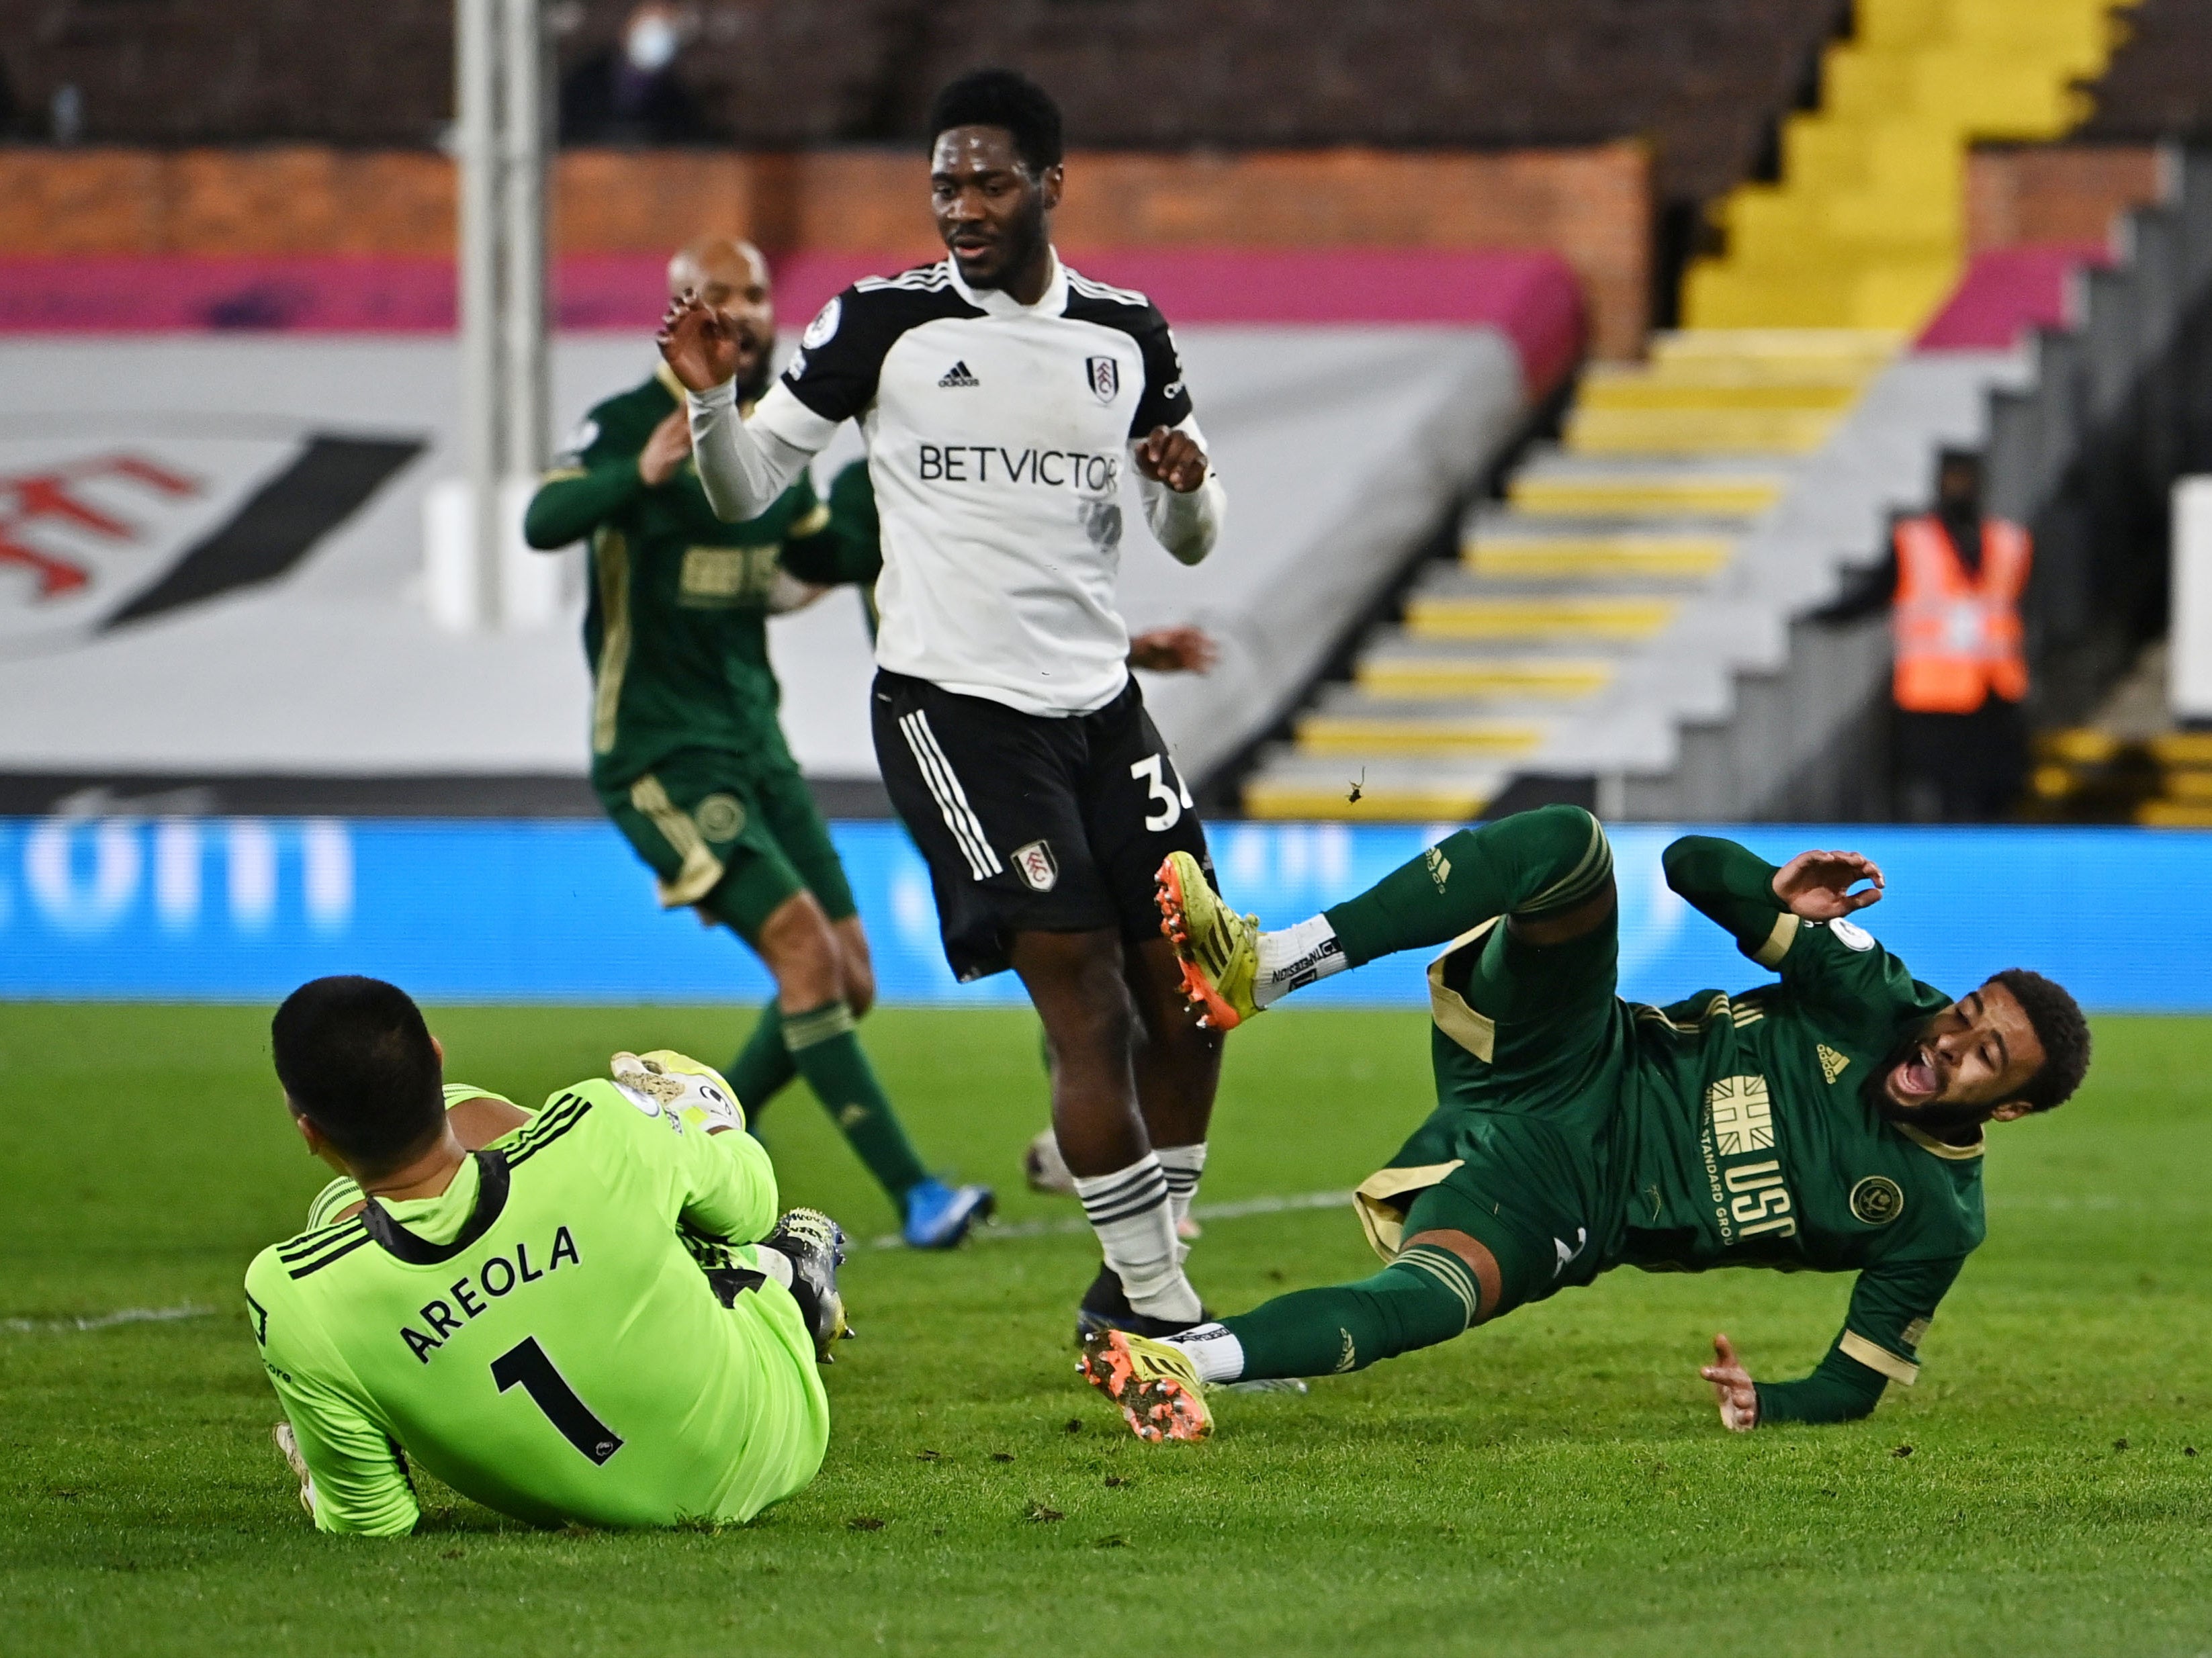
(1748, 1138)
(545, 1336)
(676, 629)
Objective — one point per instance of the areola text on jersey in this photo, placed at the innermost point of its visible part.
(1000, 438)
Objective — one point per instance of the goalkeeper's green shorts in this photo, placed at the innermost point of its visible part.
(734, 835)
(1532, 1052)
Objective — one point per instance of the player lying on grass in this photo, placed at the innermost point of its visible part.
(688, 754)
(591, 1313)
(1831, 1121)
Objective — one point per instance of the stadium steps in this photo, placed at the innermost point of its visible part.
(2084, 774)
(1867, 227)
(1604, 547)
(2130, 764)
(1562, 483)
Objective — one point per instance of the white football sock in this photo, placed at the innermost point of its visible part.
(1130, 1211)
(774, 1263)
(1217, 1355)
(1182, 1164)
(1295, 956)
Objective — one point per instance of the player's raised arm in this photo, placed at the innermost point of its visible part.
(1760, 904)
(742, 470)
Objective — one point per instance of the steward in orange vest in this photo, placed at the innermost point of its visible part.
(1958, 635)
(1952, 584)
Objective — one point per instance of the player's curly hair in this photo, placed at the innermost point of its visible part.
(2059, 1026)
(1003, 97)
(356, 1061)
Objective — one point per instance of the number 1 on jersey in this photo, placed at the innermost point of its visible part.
(525, 1364)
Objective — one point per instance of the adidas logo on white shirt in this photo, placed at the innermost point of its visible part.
(959, 375)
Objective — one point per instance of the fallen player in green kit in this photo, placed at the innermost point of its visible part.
(1833, 1122)
(587, 1314)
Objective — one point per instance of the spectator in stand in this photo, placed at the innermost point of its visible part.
(629, 93)
(1952, 584)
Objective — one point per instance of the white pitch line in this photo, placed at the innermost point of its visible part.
(106, 1321)
(1069, 1226)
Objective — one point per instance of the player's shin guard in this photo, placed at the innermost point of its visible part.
(1532, 863)
(764, 1067)
(1408, 1304)
(827, 1051)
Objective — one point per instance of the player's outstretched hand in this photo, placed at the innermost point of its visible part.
(1171, 457)
(700, 346)
(1173, 650)
(665, 450)
(1733, 1387)
(1817, 885)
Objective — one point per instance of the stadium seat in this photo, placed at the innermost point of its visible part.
(1702, 80)
(1866, 228)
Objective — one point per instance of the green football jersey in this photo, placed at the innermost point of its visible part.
(676, 629)
(1748, 1138)
(572, 1331)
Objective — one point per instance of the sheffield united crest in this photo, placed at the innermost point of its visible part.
(1105, 376)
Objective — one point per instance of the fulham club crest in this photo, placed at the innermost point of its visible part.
(1035, 863)
(1105, 375)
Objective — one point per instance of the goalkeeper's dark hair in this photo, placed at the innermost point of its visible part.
(1002, 98)
(356, 1061)
(2059, 1026)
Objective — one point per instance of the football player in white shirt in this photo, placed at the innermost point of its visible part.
(1003, 397)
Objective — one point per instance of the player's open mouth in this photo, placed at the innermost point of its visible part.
(1916, 1079)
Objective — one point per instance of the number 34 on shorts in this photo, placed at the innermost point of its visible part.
(1168, 804)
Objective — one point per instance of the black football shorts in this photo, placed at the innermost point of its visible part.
(1032, 824)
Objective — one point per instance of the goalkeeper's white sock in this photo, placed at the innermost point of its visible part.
(1130, 1211)
(1215, 1354)
(1294, 957)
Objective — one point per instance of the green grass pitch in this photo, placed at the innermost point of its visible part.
(1556, 1483)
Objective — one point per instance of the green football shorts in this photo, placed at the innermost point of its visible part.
(731, 834)
(1531, 1050)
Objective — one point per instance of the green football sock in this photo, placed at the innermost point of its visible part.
(1534, 863)
(1414, 1302)
(763, 1066)
(827, 1051)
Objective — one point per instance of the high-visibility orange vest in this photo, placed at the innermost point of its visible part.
(1959, 639)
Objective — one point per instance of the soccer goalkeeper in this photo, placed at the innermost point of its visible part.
(593, 1315)
(1833, 1121)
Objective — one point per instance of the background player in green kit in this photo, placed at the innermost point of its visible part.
(687, 753)
(593, 1315)
(1833, 1121)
